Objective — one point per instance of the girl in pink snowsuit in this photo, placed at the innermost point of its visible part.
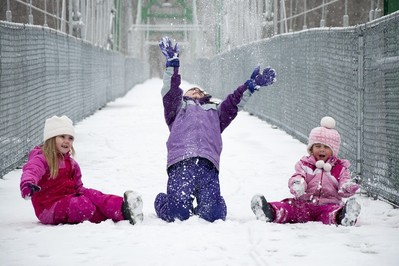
(52, 180)
(319, 183)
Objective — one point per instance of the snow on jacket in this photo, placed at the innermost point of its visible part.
(323, 187)
(67, 182)
(196, 124)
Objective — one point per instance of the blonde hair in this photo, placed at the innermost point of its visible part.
(53, 156)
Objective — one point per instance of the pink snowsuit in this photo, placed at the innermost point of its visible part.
(323, 192)
(64, 200)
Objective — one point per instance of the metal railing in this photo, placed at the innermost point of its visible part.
(91, 20)
(348, 73)
(44, 72)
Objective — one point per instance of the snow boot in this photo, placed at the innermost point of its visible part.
(262, 210)
(132, 207)
(349, 213)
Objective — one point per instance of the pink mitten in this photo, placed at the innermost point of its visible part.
(297, 187)
(28, 189)
(350, 187)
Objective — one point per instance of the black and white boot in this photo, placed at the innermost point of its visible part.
(349, 213)
(132, 207)
(262, 210)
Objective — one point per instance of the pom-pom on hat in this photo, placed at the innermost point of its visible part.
(326, 134)
(56, 126)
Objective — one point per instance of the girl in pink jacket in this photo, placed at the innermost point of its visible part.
(52, 180)
(319, 183)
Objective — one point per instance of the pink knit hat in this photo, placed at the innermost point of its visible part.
(326, 135)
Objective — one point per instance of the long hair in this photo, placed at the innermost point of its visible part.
(53, 156)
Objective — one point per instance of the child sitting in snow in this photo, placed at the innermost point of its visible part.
(319, 183)
(52, 180)
(195, 143)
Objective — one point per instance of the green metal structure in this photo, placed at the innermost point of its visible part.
(156, 18)
(390, 6)
(186, 14)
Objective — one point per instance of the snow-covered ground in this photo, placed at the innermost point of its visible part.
(122, 147)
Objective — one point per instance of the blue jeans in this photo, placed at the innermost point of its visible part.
(193, 178)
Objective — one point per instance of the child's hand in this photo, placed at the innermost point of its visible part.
(28, 189)
(297, 187)
(350, 187)
(171, 53)
(257, 80)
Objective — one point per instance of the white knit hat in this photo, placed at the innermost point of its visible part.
(326, 135)
(56, 126)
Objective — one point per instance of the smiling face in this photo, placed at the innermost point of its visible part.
(195, 93)
(321, 152)
(64, 143)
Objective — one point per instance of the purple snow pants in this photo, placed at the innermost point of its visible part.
(299, 211)
(91, 205)
(188, 179)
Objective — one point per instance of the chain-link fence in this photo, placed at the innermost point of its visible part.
(351, 74)
(43, 73)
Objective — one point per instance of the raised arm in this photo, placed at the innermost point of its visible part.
(235, 101)
(171, 92)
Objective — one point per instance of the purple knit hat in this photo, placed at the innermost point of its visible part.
(326, 135)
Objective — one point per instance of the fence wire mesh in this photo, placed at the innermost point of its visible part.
(351, 74)
(44, 73)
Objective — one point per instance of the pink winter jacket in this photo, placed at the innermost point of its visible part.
(36, 171)
(323, 187)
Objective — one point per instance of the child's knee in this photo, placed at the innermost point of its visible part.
(169, 209)
(213, 211)
(180, 209)
(80, 209)
(182, 212)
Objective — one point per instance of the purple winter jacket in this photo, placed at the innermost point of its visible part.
(196, 125)
(323, 187)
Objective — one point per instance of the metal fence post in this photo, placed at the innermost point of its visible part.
(360, 104)
(304, 16)
(8, 12)
(275, 9)
(345, 22)
(30, 17)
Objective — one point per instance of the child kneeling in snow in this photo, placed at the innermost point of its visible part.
(52, 180)
(195, 141)
(319, 183)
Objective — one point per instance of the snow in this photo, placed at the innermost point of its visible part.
(122, 147)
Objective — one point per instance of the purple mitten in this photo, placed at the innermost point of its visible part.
(267, 77)
(255, 72)
(170, 52)
(257, 80)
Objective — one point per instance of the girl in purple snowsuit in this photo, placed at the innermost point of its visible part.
(319, 183)
(52, 180)
(195, 143)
